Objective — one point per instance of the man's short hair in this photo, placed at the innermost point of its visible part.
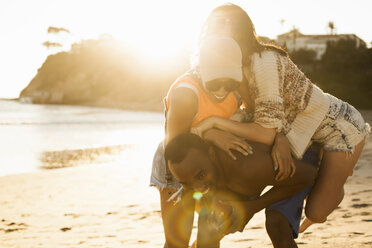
(178, 147)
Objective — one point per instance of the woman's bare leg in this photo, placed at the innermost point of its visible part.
(327, 192)
(307, 222)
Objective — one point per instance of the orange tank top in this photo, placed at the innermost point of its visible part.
(207, 107)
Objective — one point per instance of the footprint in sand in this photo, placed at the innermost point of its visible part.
(14, 226)
(12, 230)
(72, 215)
(142, 217)
(354, 234)
(362, 205)
(243, 240)
(256, 227)
(65, 229)
(112, 213)
(93, 237)
(345, 216)
(131, 206)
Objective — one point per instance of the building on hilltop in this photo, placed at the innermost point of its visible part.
(294, 40)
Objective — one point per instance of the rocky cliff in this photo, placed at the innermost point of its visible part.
(104, 73)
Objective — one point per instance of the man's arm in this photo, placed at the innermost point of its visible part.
(251, 174)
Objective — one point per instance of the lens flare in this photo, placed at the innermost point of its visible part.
(197, 196)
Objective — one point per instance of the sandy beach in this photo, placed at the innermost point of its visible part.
(112, 206)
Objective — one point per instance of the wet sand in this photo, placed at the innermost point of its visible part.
(110, 205)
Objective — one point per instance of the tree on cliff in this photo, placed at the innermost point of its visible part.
(49, 44)
(331, 27)
(345, 70)
(55, 31)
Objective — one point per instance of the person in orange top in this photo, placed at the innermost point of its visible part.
(204, 91)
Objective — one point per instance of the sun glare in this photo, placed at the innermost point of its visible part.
(156, 30)
(160, 30)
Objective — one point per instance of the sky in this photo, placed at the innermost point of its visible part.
(155, 27)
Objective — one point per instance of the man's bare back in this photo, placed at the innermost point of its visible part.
(204, 168)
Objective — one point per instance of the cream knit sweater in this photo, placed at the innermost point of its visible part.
(285, 99)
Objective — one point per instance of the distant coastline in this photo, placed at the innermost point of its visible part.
(104, 73)
(145, 106)
(107, 73)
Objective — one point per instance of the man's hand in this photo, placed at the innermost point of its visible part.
(281, 154)
(236, 216)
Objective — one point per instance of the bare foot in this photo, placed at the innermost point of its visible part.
(193, 245)
(305, 224)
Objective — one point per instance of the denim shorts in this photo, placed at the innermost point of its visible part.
(160, 175)
(292, 207)
(342, 128)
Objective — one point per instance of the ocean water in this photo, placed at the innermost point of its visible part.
(31, 134)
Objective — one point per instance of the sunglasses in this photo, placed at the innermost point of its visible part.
(215, 85)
